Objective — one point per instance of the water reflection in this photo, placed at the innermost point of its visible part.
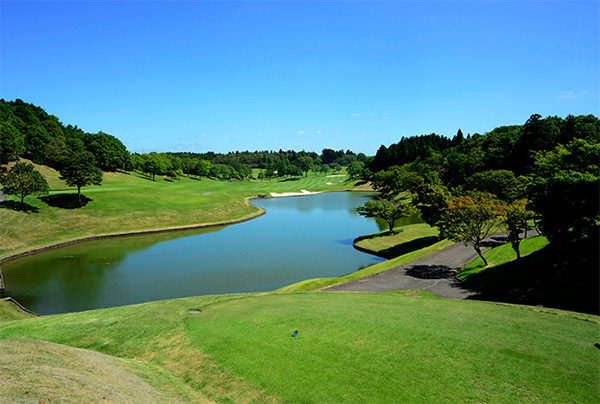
(298, 238)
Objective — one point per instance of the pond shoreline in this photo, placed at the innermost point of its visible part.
(260, 213)
(165, 230)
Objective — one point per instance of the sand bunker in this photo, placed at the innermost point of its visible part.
(301, 193)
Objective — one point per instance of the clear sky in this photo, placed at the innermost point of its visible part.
(200, 76)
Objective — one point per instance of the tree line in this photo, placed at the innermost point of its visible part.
(544, 174)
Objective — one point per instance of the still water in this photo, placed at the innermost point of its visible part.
(299, 238)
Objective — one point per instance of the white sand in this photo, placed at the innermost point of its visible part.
(301, 193)
(335, 175)
(329, 183)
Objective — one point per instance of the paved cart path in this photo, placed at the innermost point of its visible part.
(433, 273)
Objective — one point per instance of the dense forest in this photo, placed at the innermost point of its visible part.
(543, 175)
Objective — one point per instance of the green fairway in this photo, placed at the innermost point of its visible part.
(503, 254)
(128, 202)
(350, 347)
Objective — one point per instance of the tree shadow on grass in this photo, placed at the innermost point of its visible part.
(65, 201)
(290, 179)
(407, 247)
(561, 277)
(17, 206)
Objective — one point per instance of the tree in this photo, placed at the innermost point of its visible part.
(11, 141)
(22, 180)
(431, 200)
(564, 191)
(109, 152)
(293, 170)
(470, 219)
(155, 163)
(395, 180)
(501, 183)
(80, 170)
(355, 169)
(305, 163)
(516, 218)
(386, 209)
(269, 173)
(203, 168)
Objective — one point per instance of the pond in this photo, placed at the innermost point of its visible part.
(299, 238)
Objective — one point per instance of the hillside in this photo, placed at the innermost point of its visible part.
(240, 348)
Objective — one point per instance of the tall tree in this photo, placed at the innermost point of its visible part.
(470, 219)
(516, 217)
(387, 209)
(305, 163)
(22, 180)
(80, 170)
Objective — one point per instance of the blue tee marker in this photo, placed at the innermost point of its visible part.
(294, 334)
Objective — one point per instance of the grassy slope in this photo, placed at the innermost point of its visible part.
(384, 240)
(10, 311)
(503, 254)
(129, 202)
(360, 347)
(42, 371)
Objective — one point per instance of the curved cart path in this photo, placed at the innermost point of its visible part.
(433, 273)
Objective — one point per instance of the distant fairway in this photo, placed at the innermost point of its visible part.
(128, 202)
(351, 347)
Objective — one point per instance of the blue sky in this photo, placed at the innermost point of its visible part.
(223, 76)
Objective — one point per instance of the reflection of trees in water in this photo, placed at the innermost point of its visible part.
(83, 264)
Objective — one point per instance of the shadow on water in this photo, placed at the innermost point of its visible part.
(65, 201)
(17, 206)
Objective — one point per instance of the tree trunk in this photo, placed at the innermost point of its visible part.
(391, 225)
(79, 194)
(22, 198)
(153, 176)
(480, 254)
(515, 246)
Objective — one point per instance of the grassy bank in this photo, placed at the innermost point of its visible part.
(402, 240)
(502, 254)
(321, 283)
(350, 347)
(128, 202)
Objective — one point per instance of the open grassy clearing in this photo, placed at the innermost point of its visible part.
(351, 347)
(129, 202)
(503, 254)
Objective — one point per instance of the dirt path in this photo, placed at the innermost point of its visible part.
(433, 273)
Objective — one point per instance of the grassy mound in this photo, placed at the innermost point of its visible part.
(39, 371)
(351, 347)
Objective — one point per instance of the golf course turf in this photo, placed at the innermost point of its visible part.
(350, 347)
(130, 202)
